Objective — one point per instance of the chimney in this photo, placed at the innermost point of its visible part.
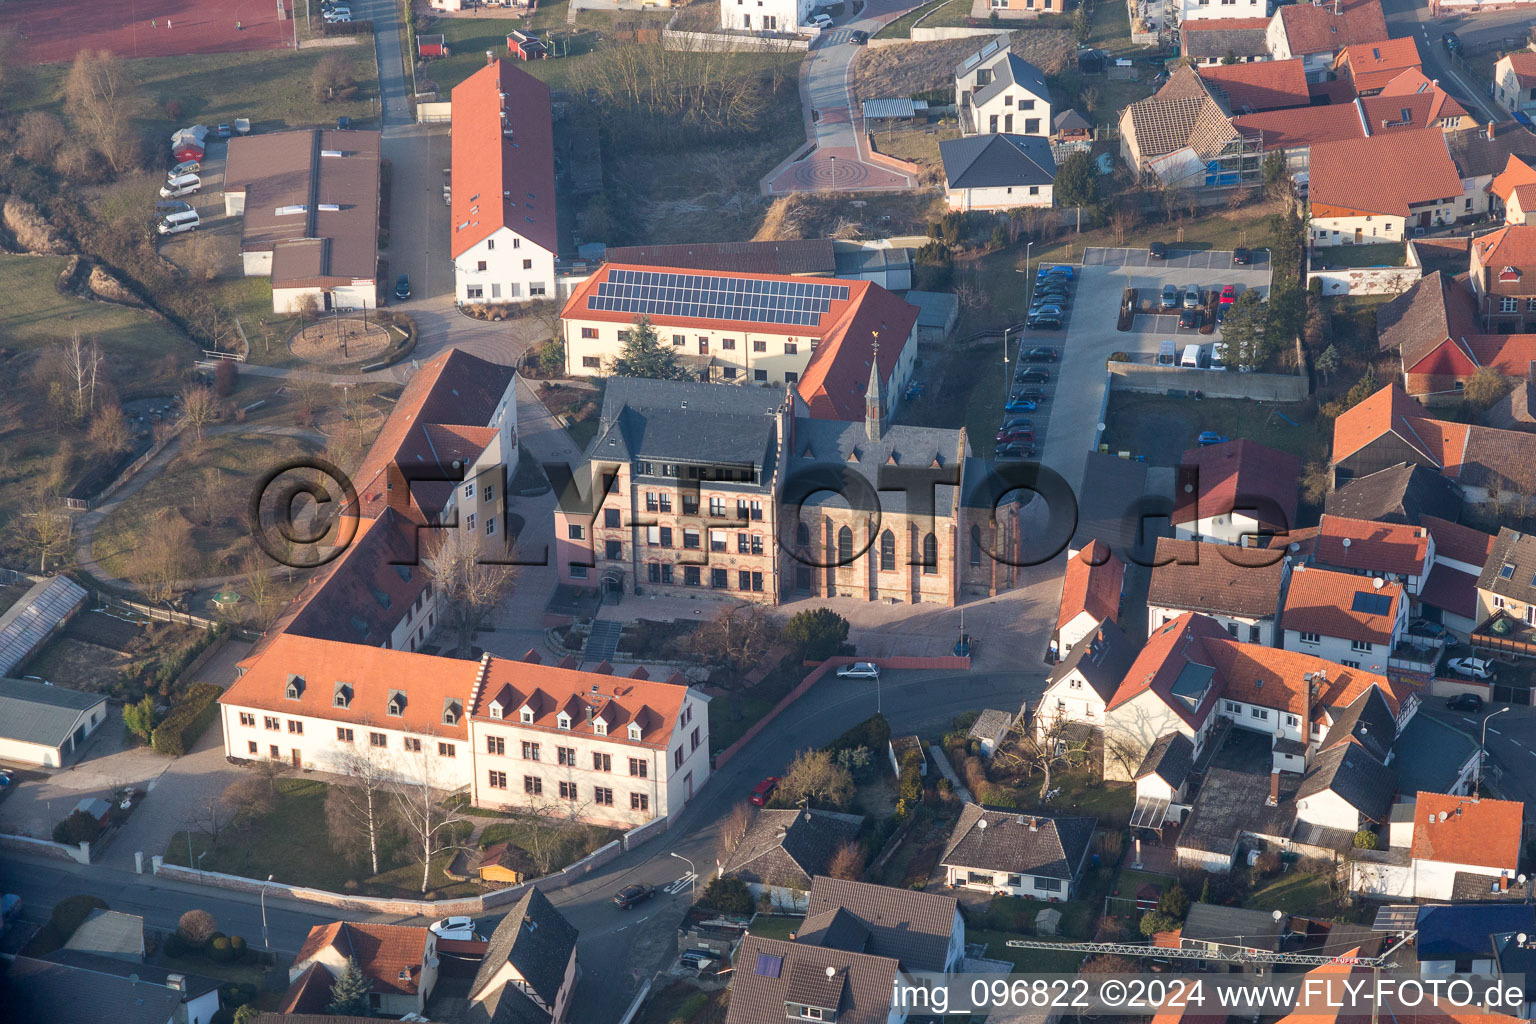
(1274, 790)
(1490, 131)
(1308, 690)
(490, 57)
(1503, 883)
(178, 982)
(1034, 824)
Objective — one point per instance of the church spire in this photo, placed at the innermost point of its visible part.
(875, 409)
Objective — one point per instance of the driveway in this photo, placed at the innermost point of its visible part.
(394, 82)
(1414, 18)
(419, 220)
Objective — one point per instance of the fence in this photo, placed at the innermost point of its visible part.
(111, 603)
(727, 42)
(137, 464)
(1163, 380)
(63, 851)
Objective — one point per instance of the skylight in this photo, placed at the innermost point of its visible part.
(768, 965)
(1507, 571)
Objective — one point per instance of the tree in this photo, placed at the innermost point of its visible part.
(729, 895)
(198, 406)
(46, 529)
(1487, 386)
(41, 136)
(331, 77)
(847, 862)
(349, 996)
(1276, 182)
(201, 256)
(197, 926)
(1077, 181)
(816, 633)
(642, 355)
(160, 559)
(1243, 333)
(1040, 747)
(1316, 482)
(249, 798)
(1363, 388)
(551, 358)
(139, 718)
(1154, 921)
(85, 367)
(468, 583)
(250, 1013)
(1327, 363)
(1230, 58)
(738, 637)
(422, 808)
(78, 827)
(1365, 839)
(110, 432)
(734, 830)
(1089, 98)
(358, 811)
(308, 307)
(100, 95)
(815, 778)
(211, 816)
(1174, 901)
(262, 589)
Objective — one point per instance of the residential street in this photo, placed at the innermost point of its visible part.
(1413, 18)
(1511, 743)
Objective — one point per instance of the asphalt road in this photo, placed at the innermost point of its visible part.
(617, 947)
(1511, 739)
(1412, 18)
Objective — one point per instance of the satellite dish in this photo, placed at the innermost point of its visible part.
(1346, 542)
(982, 823)
(1278, 915)
(831, 971)
(1521, 938)
(1295, 546)
(1520, 878)
(1444, 815)
(1378, 583)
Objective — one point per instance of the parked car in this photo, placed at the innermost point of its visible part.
(1157, 251)
(1061, 269)
(336, 17)
(343, 122)
(1452, 42)
(1013, 422)
(821, 21)
(1022, 435)
(631, 895)
(182, 185)
(1210, 437)
(1033, 394)
(1228, 295)
(403, 287)
(1465, 702)
(1170, 297)
(1241, 257)
(1041, 354)
(1221, 315)
(763, 791)
(1192, 297)
(461, 928)
(1426, 628)
(1044, 302)
(858, 38)
(185, 167)
(1477, 668)
(1051, 287)
(1018, 404)
(1033, 375)
(1014, 450)
(225, 131)
(1047, 319)
(1192, 318)
(859, 670)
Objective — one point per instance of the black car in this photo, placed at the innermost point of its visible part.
(1017, 423)
(403, 287)
(632, 894)
(1192, 318)
(1465, 702)
(1052, 291)
(1452, 42)
(1241, 257)
(1045, 321)
(1015, 450)
(1034, 375)
(343, 122)
(858, 38)
(1157, 251)
(1033, 394)
(1040, 355)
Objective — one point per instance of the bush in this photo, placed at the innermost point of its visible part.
(874, 732)
(1154, 921)
(815, 634)
(689, 1008)
(1365, 839)
(174, 945)
(187, 720)
(964, 720)
(219, 949)
(235, 994)
(1174, 902)
(79, 827)
(728, 895)
(1119, 357)
(196, 927)
(70, 912)
(347, 28)
(237, 945)
(1268, 863)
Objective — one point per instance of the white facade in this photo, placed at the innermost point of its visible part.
(1418, 879)
(1329, 810)
(1076, 629)
(24, 752)
(1015, 109)
(1355, 653)
(1249, 629)
(1211, 10)
(1003, 883)
(1508, 90)
(1227, 528)
(765, 15)
(1277, 724)
(335, 962)
(1002, 197)
(507, 974)
(1070, 699)
(504, 267)
(1366, 229)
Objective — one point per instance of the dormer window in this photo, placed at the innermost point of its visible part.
(343, 695)
(495, 710)
(634, 730)
(396, 706)
(563, 720)
(294, 688)
(525, 715)
(405, 974)
(450, 712)
(599, 727)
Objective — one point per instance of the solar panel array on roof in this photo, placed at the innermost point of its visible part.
(768, 965)
(1371, 604)
(706, 297)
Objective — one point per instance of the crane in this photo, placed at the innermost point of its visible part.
(1235, 956)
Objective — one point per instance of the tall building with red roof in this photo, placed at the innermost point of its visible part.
(1377, 188)
(1369, 66)
(1514, 82)
(503, 237)
(1318, 31)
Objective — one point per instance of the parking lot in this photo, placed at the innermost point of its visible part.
(1091, 333)
(1022, 340)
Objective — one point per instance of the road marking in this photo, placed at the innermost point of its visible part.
(1497, 733)
(673, 888)
(1471, 721)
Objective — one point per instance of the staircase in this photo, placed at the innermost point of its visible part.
(602, 641)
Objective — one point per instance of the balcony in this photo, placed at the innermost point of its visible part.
(1503, 632)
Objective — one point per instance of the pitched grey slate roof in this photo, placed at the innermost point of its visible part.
(997, 161)
(1102, 662)
(688, 422)
(1170, 759)
(1013, 70)
(1233, 926)
(1053, 848)
(768, 971)
(1370, 721)
(537, 940)
(1070, 120)
(1240, 42)
(1398, 494)
(37, 713)
(799, 842)
(1358, 778)
(194, 984)
(1476, 155)
(993, 725)
(835, 447)
(41, 992)
(912, 927)
(834, 929)
(1511, 567)
(1232, 802)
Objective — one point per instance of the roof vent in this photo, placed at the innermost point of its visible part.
(330, 152)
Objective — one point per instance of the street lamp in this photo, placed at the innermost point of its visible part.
(1006, 381)
(692, 882)
(200, 861)
(1482, 750)
(264, 943)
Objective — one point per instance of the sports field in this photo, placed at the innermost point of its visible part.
(42, 31)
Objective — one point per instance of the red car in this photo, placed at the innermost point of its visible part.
(764, 791)
(1228, 295)
(1020, 434)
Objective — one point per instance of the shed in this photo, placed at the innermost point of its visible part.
(42, 724)
(526, 46)
(1047, 922)
(431, 46)
(503, 863)
(110, 934)
(96, 807)
(991, 729)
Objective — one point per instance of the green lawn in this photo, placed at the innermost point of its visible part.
(901, 28)
(240, 973)
(1381, 254)
(1031, 961)
(568, 847)
(774, 926)
(1295, 892)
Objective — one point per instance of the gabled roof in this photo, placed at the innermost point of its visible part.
(1216, 578)
(810, 256)
(27, 623)
(1011, 69)
(1523, 64)
(1417, 323)
(1341, 605)
(1170, 759)
(1219, 37)
(1381, 174)
(1369, 721)
(1238, 475)
(1478, 155)
(997, 161)
(835, 380)
(33, 712)
(503, 158)
(1259, 85)
(1356, 777)
(43, 992)
(1511, 567)
(1021, 842)
(310, 992)
(911, 927)
(1511, 246)
(1404, 493)
(192, 985)
(1310, 28)
(546, 690)
(1442, 105)
(772, 972)
(536, 940)
(1389, 410)
(383, 952)
(1232, 926)
(1101, 659)
(1460, 543)
(1273, 677)
(1372, 547)
(1371, 65)
(1176, 665)
(1092, 584)
(791, 840)
(1164, 124)
(1070, 120)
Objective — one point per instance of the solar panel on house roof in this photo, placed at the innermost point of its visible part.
(1371, 604)
(768, 965)
(1395, 919)
(705, 297)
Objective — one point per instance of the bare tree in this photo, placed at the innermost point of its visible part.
(818, 779)
(847, 862)
(197, 926)
(212, 816)
(359, 811)
(110, 432)
(734, 829)
(249, 798)
(738, 637)
(161, 559)
(469, 584)
(41, 136)
(86, 367)
(1042, 747)
(46, 529)
(308, 307)
(198, 405)
(199, 255)
(260, 585)
(212, 498)
(101, 96)
(547, 828)
(422, 808)
(1089, 98)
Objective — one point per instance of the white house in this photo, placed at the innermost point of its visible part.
(1091, 590)
(1353, 620)
(503, 237)
(1437, 838)
(1014, 853)
(998, 172)
(1210, 10)
(785, 849)
(765, 15)
(1081, 686)
(1238, 587)
(400, 963)
(1514, 82)
(1234, 493)
(529, 969)
(923, 930)
(1162, 781)
(997, 91)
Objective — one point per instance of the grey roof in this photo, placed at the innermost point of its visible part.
(687, 422)
(1070, 120)
(28, 622)
(1240, 42)
(993, 725)
(934, 309)
(110, 933)
(1170, 759)
(769, 971)
(537, 940)
(1231, 803)
(1013, 70)
(38, 713)
(1232, 926)
(911, 927)
(42, 992)
(834, 448)
(812, 256)
(799, 842)
(1398, 494)
(995, 161)
(1053, 848)
(193, 985)
(834, 929)
(1355, 776)
(1370, 721)
(1111, 497)
(1431, 755)
(1102, 662)
(900, 106)
(988, 50)
(1476, 155)
(1511, 567)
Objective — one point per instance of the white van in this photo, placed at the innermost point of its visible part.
(1191, 357)
(181, 185)
(1218, 349)
(1166, 350)
(176, 223)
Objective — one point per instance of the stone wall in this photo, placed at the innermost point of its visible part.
(1365, 280)
(1162, 380)
(42, 847)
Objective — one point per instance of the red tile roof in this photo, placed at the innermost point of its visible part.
(1167, 652)
(1093, 582)
(310, 992)
(1260, 85)
(1513, 245)
(1236, 474)
(1389, 410)
(1451, 589)
(1223, 24)
(502, 179)
(1337, 122)
(1523, 64)
(1382, 174)
(1457, 542)
(1317, 29)
(364, 594)
(585, 696)
(1275, 678)
(382, 951)
(1321, 601)
(1412, 82)
(1516, 172)
(837, 376)
(1485, 833)
(1371, 65)
(1372, 547)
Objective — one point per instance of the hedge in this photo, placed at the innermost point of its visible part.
(187, 720)
(79, 827)
(70, 912)
(346, 28)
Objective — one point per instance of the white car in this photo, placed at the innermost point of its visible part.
(1477, 668)
(181, 185)
(859, 670)
(821, 21)
(462, 928)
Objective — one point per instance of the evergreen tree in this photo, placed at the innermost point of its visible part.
(1327, 363)
(349, 996)
(1077, 181)
(644, 356)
